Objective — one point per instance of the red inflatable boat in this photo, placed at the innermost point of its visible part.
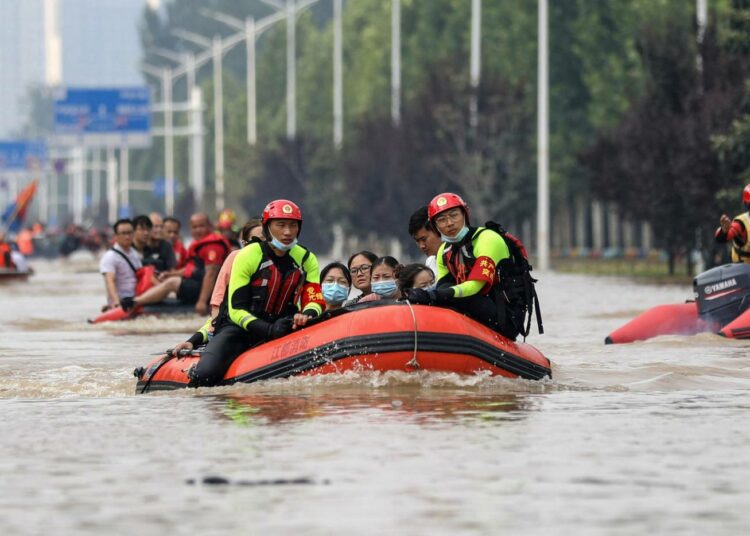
(722, 306)
(378, 336)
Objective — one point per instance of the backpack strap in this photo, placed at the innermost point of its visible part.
(121, 254)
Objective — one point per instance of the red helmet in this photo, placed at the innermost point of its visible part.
(281, 209)
(446, 201)
(746, 195)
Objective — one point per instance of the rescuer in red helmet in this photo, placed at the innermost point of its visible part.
(466, 266)
(274, 288)
(736, 230)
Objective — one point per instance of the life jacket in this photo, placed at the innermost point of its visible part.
(194, 266)
(5, 258)
(741, 251)
(180, 253)
(271, 293)
(512, 286)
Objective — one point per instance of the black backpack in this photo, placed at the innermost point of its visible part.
(516, 289)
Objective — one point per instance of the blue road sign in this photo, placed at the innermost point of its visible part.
(22, 155)
(97, 117)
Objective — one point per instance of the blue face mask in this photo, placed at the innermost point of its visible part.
(453, 239)
(335, 294)
(278, 245)
(385, 289)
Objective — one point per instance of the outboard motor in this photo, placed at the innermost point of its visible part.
(723, 293)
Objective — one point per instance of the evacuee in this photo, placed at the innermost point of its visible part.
(383, 279)
(736, 230)
(172, 235)
(193, 283)
(269, 279)
(157, 253)
(416, 276)
(466, 266)
(120, 264)
(360, 265)
(336, 282)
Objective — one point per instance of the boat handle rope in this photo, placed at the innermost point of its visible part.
(413, 363)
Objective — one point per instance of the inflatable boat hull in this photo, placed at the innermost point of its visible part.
(379, 338)
(167, 307)
(672, 319)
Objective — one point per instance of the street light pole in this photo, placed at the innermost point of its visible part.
(218, 123)
(166, 84)
(543, 140)
(475, 61)
(338, 95)
(291, 72)
(396, 61)
(252, 31)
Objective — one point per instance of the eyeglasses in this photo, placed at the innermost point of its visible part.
(453, 215)
(365, 268)
(125, 233)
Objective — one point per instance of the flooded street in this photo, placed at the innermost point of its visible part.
(642, 438)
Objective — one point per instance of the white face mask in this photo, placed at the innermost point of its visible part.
(459, 236)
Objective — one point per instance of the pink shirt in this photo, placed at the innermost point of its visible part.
(222, 280)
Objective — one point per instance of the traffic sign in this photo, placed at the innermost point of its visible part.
(20, 155)
(103, 117)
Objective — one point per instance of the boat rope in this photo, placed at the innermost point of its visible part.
(413, 363)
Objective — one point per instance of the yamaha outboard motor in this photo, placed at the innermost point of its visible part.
(723, 293)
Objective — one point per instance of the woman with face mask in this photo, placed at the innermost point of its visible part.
(336, 282)
(466, 266)
(384, 276)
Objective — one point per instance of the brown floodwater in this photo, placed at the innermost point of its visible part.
(646, 438)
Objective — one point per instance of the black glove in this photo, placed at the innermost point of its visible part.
(421, 296)
(270, 330)
(418, 296)
(281, 327)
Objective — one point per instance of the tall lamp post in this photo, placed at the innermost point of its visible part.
(543, 140)
(253, 30)
(291, 8)
(215, 45)
(396, 61)
(165, 76)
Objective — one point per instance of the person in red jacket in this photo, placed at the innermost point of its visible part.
(736, 231)
(172, 234)
(195, 281)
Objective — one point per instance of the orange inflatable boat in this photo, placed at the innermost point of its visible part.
(380, 336)
(722, 305)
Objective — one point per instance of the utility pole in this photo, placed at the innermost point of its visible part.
(338, 103)
(543, 140)
(475, 61)
(396, 62)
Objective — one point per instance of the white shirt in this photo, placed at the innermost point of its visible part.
(22, 265)
(431, 263)
(125, 278)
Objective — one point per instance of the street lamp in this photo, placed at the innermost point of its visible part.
(253, 30)
(543, 140)
(166, 76)
(215, 45)
(396, 61)
(291, 8)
